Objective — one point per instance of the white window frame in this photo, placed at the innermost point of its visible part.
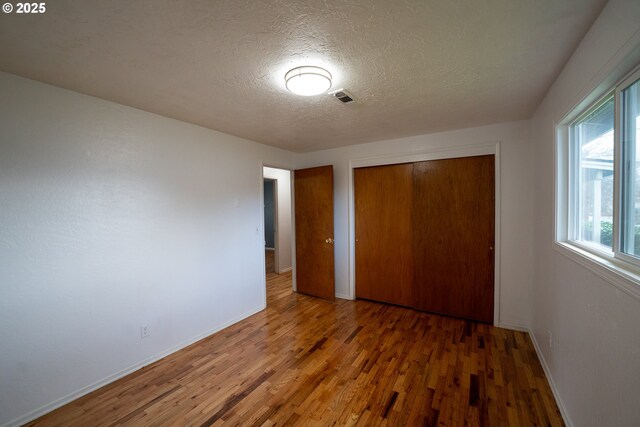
(618, 170)
(618, 268)
(574, 165)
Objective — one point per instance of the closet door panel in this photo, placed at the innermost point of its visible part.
(453, 236)
(384, 260)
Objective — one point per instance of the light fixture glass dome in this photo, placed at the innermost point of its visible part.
(308, 81)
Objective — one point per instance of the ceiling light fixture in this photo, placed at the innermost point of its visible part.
(308, 81)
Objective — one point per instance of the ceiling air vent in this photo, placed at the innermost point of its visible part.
(344, 96)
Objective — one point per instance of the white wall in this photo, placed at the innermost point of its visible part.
(516, 209)
(594, 357)
(283, 226)
(112, 218)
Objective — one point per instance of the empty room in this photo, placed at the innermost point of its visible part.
(337, 213)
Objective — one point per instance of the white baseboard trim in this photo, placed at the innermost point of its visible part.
(116, 376)
(513, 326)
(552, 384)
(284, 270)
(343, 296)
(266, 248)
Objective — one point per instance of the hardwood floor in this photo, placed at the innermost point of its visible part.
(307, 361)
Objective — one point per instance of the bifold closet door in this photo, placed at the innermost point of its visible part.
(453, 236)
(383, 202)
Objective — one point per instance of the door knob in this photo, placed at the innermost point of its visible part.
(328, 240)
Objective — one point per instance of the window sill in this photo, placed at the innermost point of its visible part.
(615, 272)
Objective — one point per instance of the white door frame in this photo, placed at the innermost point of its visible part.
(490, 148)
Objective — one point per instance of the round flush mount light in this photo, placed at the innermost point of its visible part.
(308, 81)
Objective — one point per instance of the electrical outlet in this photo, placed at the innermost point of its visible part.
(550, 338)
(144, 331)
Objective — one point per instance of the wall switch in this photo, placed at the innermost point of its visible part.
(144, 331)
(237, 202)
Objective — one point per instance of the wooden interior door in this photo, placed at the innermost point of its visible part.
(383, 204)
(314, 232)
(453, 224)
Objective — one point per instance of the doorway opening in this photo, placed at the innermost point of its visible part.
(270, 224)
(277, 221)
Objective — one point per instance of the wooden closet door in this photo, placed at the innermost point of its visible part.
(384, 263)
(453, 230)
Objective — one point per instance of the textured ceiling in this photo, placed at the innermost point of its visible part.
(414, 66)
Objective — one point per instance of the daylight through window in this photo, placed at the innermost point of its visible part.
(602, 176)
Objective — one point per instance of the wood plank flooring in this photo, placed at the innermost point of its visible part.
(307, 361)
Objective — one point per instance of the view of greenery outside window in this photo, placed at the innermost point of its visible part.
(592, 175)
(630, 182)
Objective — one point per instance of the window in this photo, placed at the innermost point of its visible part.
(630, 176)
(600, 175)
(592, 176)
